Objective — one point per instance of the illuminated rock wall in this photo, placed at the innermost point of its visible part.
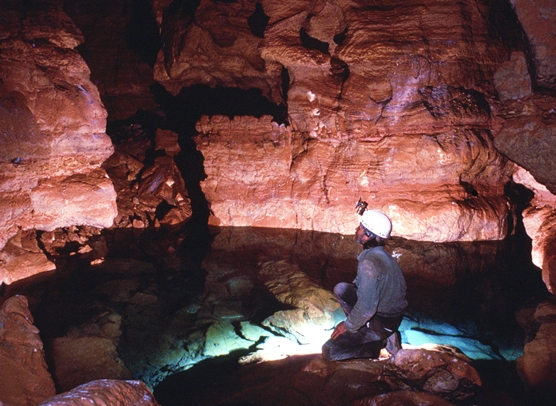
(391, 104)
(53, 127)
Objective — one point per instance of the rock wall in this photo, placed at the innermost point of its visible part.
(404, 124)
(52, 127)
(421, 108)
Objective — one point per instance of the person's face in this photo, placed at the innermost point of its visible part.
(360, 236)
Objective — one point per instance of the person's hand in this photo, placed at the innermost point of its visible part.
(339, 330)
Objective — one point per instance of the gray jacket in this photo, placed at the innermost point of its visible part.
(380, 288)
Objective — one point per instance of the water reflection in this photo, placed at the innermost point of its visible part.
(181, 305)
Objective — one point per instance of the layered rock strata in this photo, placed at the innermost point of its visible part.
(406, 125)
(526, 135)
(263, 174)
(53, 126)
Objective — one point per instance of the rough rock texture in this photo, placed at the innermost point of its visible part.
(22, 258)
(105, 392)
(24, 377)
(286, 182)
(315, 307)
(405, 126)
(539, 219)
(119, 48)
(408, 398)
(88, 353)
(436, 377)
(151, 192)
(537, 18)
(536, 366)
(50, 162)
(214, 44)
(526, 136)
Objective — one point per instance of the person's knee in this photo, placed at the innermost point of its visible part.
(340, 289)
(326, 350)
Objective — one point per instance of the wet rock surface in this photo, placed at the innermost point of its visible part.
(309, 380)
(194, 331)
(105, 392)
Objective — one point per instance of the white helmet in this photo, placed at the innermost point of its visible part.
(377, 223)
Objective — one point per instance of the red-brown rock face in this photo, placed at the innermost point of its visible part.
(52, 127)
(392, 104)
(24, 376)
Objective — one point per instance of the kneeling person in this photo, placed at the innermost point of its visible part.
(374, 303)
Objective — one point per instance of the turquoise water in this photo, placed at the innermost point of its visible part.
(186, 299)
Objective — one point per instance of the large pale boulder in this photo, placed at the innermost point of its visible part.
(53, 123)
(315, 309)
(22, 258)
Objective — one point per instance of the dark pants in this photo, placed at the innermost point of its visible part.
(368, 340)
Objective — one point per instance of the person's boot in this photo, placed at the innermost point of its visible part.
(394, 343)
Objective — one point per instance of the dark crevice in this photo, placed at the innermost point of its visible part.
(340, 38)
(312, 43)
(183, 111)
(339, 69)
(142, 34)
(258, 21)
(505, 25)
(285, 76)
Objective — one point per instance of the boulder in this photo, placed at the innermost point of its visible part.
(22, 258)
(88, 352)
(537, 367)
(24, 376)
(105, 392)
(536, 18)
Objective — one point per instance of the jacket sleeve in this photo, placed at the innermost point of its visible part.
(367, 297)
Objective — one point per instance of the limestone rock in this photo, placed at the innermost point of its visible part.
(50, 162)
(537, 367)
(163, 179)
(149, 194)
(88, 353)
(315, 307)
(540, 224)
(407, 398)
(512, 80)
(537, 19)
(213, 45)
(434, 377)
(453, 377)
(167, 141)
(527, 137)
(263, 174)
(22, 258)
(105, 392)
(120, 55)
(24, 376)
